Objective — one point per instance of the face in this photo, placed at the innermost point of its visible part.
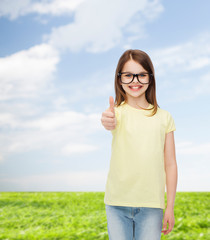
(133, 93)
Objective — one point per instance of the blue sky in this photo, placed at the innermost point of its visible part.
(57, 66)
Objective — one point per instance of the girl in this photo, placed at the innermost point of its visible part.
(143, 157)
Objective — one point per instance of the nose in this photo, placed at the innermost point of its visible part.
(135, 76)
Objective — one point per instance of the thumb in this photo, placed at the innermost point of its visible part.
(111, 103)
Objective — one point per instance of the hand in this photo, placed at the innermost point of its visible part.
(168, 218)
(108, 118)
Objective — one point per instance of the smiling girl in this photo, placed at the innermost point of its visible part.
(143, 157)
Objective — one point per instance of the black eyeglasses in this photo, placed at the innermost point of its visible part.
(127, 77)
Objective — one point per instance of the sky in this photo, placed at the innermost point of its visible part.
(57, 66)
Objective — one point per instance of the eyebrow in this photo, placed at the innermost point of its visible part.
(134, 73)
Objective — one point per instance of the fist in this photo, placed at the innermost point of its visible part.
(108, 118)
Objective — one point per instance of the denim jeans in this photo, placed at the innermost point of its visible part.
(129, 223)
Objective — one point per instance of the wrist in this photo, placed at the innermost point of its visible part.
(171, 207)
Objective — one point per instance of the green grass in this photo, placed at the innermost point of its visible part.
(82, 215)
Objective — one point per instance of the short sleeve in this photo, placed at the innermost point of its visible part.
(170, 125)
(117, 115)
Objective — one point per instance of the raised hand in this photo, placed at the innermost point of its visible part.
(108, 118)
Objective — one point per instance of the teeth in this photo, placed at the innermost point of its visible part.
(135, 87)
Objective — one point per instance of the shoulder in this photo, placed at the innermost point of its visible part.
(120, 107)
(168, 120)
(165, 115)
(118, 111)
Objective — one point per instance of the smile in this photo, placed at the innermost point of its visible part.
(136, 88)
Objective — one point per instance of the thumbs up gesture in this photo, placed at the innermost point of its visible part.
(108, 118)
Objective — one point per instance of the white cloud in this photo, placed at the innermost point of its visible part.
(61, 181)
(189, 148)
(7, 119)
(1, 158)
(186, 57)
(24, 73)
(89, 88)
(153, 9)
(56, 120)
(183, 144)
(59, 102)
(182, 71)
(203, 87)
(55, 7)
(65, 132)
(193, 166)
(192, 180)
(71, 148)
(104, 29)
(98, 25)
(52, 121)
(14, 9)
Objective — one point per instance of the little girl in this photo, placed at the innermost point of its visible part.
(143, 157)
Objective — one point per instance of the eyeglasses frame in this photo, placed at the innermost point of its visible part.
(135, 75)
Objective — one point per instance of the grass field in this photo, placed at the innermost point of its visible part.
(82, 216)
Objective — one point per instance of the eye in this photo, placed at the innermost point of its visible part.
(128, 75)
(142, 75)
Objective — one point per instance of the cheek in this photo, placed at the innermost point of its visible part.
(145, 88)
(123, 87)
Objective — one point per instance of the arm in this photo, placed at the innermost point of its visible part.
(170, 168)
(171, 180)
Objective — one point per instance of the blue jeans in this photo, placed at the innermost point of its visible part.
(129, 223)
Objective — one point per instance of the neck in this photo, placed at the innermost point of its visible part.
(138, 102)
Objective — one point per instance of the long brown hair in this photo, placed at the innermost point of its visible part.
(143, 59)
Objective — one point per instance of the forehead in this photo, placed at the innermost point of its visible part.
(133, 66)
